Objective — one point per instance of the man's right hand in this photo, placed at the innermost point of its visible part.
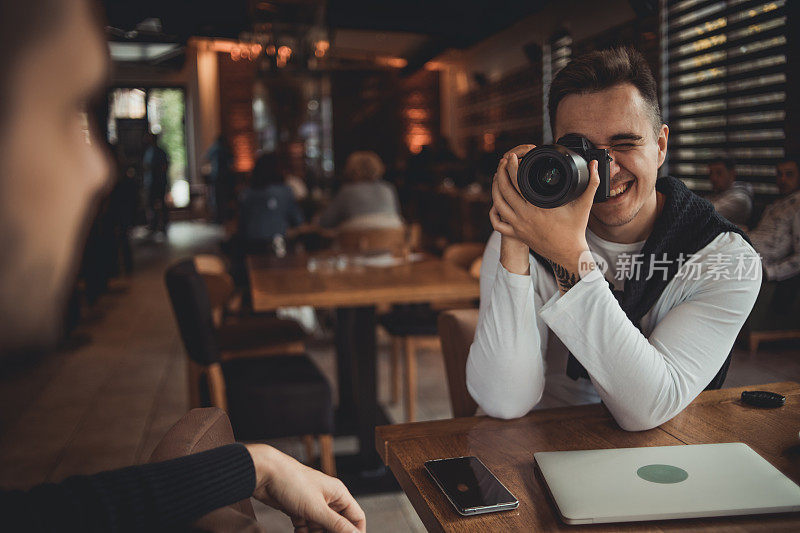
(313, 500)
(513, 252)
(558, 235)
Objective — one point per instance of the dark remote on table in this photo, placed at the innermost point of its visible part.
(762, 398)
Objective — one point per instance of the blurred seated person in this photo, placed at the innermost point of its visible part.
(777, 236)
(267, 206)
(294, 169)
(732, 199)
(54, 61)
(365, 201)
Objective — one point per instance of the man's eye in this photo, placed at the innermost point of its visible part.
(623, 146)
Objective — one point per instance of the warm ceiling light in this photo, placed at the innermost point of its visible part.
(284, 52)
(396, 62)
(321, 48)
(248, 50)
(435, 65)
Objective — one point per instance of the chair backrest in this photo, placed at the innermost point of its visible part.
(359, 240)
(190, 303)
(219, 282)
(463, 254)
(475, 268)
(456, 331)
(210, 264)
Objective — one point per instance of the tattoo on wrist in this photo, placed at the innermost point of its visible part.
(566, 279)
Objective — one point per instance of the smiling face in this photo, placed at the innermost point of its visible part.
(49, 174)
(619, 120)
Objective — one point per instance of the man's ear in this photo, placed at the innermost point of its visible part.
(663, 135)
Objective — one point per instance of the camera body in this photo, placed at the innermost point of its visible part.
(555, 174)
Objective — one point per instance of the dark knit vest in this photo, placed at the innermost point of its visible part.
(687, 224)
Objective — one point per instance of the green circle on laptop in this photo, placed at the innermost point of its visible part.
(662, 474)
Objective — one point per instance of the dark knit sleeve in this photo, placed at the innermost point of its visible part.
(150, 497)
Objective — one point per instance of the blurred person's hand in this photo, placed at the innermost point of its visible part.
(313, 500)
(558, 234)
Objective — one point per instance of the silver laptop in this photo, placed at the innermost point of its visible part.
(665, 482)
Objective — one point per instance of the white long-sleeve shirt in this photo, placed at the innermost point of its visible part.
(644, 378)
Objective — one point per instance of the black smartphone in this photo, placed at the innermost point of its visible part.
(470, 486)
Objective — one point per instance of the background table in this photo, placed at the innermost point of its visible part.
(507, 448)
(354, 292)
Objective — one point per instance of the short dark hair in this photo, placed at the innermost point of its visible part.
(729, 162)
(268, 170)
(603, 69)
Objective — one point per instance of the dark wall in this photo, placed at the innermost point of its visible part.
(370, 112)
(366, 114)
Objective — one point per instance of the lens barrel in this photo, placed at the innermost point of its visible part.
(552, 175)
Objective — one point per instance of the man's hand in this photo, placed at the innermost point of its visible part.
(313, 500)
(558, 234)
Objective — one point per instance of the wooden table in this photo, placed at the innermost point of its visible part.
(355, 291)
(507, 448)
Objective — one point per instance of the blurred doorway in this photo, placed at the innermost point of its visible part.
(161, 111)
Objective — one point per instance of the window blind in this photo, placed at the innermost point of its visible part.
(556, 53)
(724, 95)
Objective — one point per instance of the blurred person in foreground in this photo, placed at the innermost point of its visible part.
(53, 59)
(642, 290)
(777, 236)
(365, 201)
(732, 199)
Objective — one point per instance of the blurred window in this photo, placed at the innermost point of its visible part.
(724, 92)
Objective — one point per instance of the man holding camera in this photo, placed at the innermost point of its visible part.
(682, 278)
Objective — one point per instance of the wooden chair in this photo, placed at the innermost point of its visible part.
(475, 268)
(222, 293)
(266, 395)
(357, 240)
(415, 327)
(257, 335)
(456, 330)
(463, 254)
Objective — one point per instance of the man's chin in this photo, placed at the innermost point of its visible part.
(613, 218)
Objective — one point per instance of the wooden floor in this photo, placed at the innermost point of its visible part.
(105, 401)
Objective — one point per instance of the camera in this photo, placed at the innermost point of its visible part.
(555, 174)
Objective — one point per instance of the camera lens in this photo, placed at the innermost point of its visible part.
(552, 175)
(548, 176)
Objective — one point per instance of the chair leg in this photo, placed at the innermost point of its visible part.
(326, 459)
(308, 442)
(411, 379)
(394, 372)
(193, 372)
(754, 340)
(216, 386)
